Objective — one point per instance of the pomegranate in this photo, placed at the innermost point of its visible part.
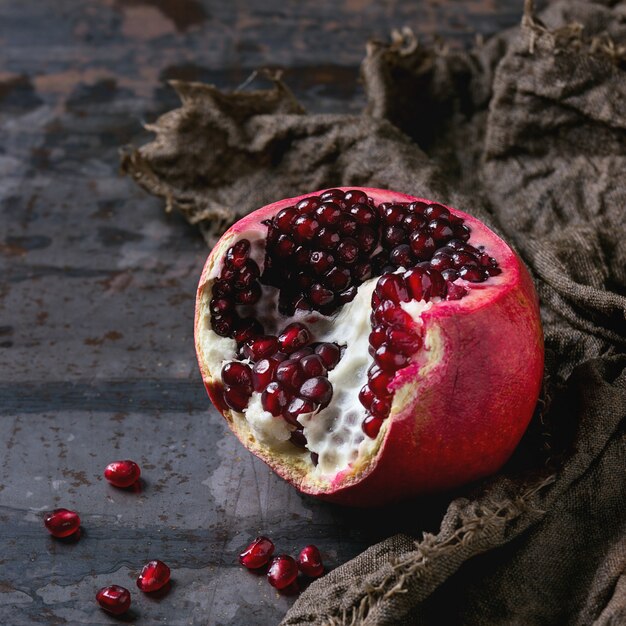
(154, 575)
(62, 522)
(114, 599)
(427, 329)
(282, 572)
(122, 473)
(310, 562)
(257, 554)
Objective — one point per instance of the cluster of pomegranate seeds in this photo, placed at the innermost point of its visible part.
(114, 599)
(289, 371)
(62, 523)
(122, 473)
(257, 554)
(317, 254)
(154, 575)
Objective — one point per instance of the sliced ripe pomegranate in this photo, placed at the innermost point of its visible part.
(114, 599)
(257, 554)
(310, 562)
(122, 473)
(282, 572)
(368, 345)
(62, 522)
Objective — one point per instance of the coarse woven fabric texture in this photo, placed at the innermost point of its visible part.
(528, 132)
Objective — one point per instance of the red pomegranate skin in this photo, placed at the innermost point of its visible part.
(463, 415)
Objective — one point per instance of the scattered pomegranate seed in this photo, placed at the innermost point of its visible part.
(310, 562)
(282, 572)
(154, 575)
(122, 473)
(317, 389)
(257, 554)
(371, 426)
(114, 599)
(62, 522)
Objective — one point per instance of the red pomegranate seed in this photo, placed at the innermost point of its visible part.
(222, 289)
(247, 329)
(392, 287)
(62, 522)
(401, 256)
(379, 382)
(114, 599)
(337, 278)
(260, 347)
(327, 239)
(440, 230)
(297, 438)
(413, 222)
(393, 236)
(402, 341)
(310, 562)
(454, 291)
(461, 231)
(395, 316)
(336, 194)
(236, 374)
(436, 210)
(363, 214)
(438, 288)
(284, 246)
(317, 389)
(380, 407)
(313, 365)
(122, 473)
(418, 283)
(347, 225)
(321, 296)
(449, 275)
(284, 219)
(354, 196)
(257, 554)
(371, 426)
(154, 575)
(441, 261)
(367, 238)
(300, 354)
(461, 258)
(263, 373)
(298, 406)
(294, 337)
(422, 245)
(378, 336)
(305, 227)
(347, 295)
(328, 213)
(223, 324)
(237, 254)
(275, 399)
(330, 354)
(473, 274)
(236, 398)
(366, 396)
(282, 572)
(247, 275)
(348, 251)
(362, 271)
(388, 360)
(219, 306)
(290, 374)
(249, 296)
(308, 205)
(321, 262)
(392, 213)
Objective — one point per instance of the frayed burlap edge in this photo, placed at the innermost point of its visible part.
(489, 519)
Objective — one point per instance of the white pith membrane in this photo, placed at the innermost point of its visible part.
(335, 432)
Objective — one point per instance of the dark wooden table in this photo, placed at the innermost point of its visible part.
(97, 296)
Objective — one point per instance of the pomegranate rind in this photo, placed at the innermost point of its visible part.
(459, 410)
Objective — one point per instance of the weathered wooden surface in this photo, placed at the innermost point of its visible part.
(97, 294)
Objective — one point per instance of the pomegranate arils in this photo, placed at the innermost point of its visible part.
(366, 396)
(436, 210)
(275, 399)
(294, 337)
(367, 238)
(389, 360)
(260, 347)
(122, 473)
(402, 341)
(380, 407)
(308, 205)
(305, 227)
(236, 399)
(328, 213)
(284, 219)
(392, 214)
(312, 365)
(422, 245)
(392, 287)
(348, 251)
(282, 572)
(285, 246)
(473, 274)
(298, 406)
(114, 599)
(393, 236)
(257, 554)
(371, 426)
(238, 375)
(321, 262)
(62, 522)
(330, 353)
(327, 238)
(355, 196)
(440, 229)
(310, 562)
(321, 296)
(337, 278)
(290, 374)
(154, 575)
(401, 256)
(263, 373)
(378, 336)
(363, 214)
(318, 390)
(378, 382)
(297, 438)
(237, 254)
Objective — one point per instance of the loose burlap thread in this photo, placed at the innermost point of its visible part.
(528, 132)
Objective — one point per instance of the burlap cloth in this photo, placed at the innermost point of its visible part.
(528, 131)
